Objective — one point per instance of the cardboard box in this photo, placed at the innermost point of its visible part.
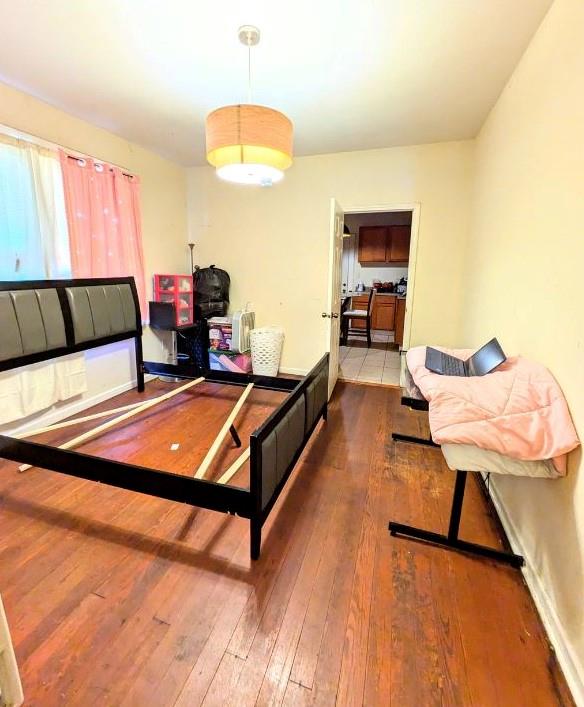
(229, 361)
(220, 333)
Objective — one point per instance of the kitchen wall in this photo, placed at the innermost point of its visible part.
(353, 271)
(164, 218)
(524, 284)
(275, 242)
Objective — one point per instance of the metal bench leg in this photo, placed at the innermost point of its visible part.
(397, 437)
(452, 541)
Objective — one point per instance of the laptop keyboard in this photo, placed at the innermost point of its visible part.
(452, 367)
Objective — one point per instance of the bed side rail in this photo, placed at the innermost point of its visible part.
(189, 371)
(162, 484)
(277, 444)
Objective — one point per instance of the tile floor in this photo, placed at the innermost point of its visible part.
(378, 364)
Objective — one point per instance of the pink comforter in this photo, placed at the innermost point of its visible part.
(517, 410)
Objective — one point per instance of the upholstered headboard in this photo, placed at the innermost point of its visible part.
(44, 319)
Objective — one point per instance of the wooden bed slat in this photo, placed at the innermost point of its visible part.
(76, 441)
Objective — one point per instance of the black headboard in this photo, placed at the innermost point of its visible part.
(44, 319)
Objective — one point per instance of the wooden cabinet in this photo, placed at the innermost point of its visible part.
(384, 244)
(372, 244)
(383, 317)
(399, 249)
(400, 316)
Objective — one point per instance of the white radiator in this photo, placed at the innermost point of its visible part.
(10, 686)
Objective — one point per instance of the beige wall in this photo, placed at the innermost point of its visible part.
(274, 242)
(164, 214)
(525, 284)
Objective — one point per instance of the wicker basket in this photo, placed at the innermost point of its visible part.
(266, 349)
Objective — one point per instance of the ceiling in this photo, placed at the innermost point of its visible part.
(351, 74)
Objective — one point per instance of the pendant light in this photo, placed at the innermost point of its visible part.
(248, 143)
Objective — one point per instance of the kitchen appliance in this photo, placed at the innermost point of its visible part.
(360, 287)
(402, 286)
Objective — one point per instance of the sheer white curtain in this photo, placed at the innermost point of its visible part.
(34, 244)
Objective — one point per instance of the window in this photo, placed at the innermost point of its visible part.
(64, 216)
(34, 241)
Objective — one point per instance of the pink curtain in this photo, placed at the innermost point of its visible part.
(103, 215)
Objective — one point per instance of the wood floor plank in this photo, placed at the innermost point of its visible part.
(281, 609)
(174, 658)
(354, 660)
(275, 584)
(379, 653)
(239, 610)
(350, 506)
(223, 690)
(297, 695)
(275, 680)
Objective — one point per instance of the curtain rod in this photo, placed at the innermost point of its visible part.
(79, 158)
(21, 135)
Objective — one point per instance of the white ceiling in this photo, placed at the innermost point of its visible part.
(351, 74)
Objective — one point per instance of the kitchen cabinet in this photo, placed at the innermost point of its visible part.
(383, 317)
(384, 244)
(399, 249)
(400, 316)
(372, 244)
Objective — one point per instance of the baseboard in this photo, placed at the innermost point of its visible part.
(60, 413)
(294, 371)
(573, 672)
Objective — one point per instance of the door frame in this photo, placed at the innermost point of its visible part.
(330, 329)
(415, 208)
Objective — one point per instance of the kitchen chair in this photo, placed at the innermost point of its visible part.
(362, 314)
(346, 301)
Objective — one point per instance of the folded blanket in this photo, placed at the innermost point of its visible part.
(517, 410)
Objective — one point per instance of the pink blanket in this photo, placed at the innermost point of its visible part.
(517, 410)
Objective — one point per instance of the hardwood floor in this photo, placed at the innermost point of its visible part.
(120, 599)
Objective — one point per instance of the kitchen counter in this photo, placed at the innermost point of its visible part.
(366, 293)
(388, 312)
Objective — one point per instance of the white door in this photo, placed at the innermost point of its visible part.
(333, 315)
(10, 686)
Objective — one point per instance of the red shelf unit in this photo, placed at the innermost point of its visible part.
(177, 289)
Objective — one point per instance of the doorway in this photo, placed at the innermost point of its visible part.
(379, 253)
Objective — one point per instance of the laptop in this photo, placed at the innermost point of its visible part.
(483, 361)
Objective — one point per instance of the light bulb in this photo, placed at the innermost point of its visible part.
(244, 173)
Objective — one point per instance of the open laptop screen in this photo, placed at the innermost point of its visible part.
(486, 359)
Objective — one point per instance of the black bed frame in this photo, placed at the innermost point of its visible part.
(306, 397)
(72, 347)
